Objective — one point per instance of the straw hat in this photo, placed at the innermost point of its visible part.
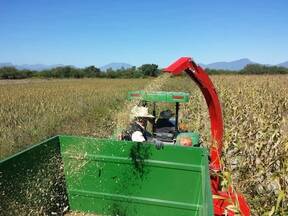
(140, 112)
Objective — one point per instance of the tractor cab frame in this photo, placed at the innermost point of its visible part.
(176, 98)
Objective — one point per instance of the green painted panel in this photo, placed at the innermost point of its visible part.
(107, 176)
(159, 96)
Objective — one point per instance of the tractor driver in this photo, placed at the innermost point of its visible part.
(137, 130)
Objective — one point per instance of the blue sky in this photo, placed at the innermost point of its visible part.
(94, 32)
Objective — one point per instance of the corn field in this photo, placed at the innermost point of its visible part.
(255, 111)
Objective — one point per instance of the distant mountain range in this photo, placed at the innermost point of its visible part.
(115, 66)
(36, 67)
(236, 65)
(284, 64)
(231, 65)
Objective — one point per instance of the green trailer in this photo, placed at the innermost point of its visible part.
(106, 177)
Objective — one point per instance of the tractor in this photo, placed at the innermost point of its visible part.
(125, 178)
(169, 135)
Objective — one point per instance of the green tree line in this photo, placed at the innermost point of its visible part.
(146, 70)
(252, 69)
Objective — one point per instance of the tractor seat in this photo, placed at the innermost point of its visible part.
(164, 137)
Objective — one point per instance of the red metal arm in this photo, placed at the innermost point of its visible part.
(222, 200)
(203, 81)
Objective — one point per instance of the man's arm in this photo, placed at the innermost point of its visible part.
(137, 136)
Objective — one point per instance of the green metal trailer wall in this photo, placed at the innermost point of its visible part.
(107, 177)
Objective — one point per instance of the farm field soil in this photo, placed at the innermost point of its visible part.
(255, 110)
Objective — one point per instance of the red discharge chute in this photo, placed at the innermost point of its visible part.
(222, 200)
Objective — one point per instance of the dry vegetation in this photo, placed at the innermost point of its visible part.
(255, 110)
(33, 111)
